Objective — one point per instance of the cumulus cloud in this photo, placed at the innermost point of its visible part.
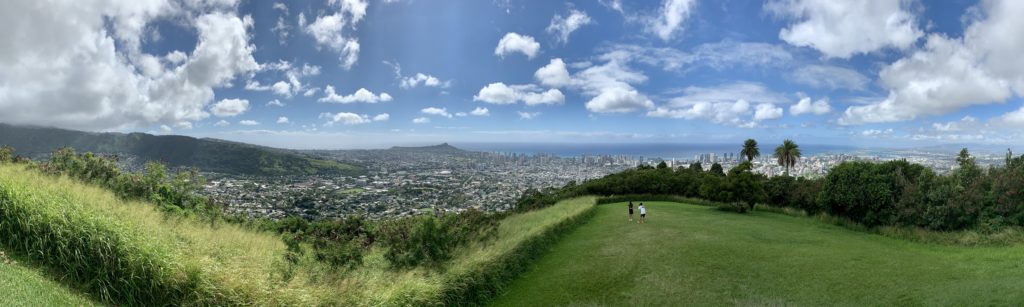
(499, 93)
(669, 20)
(843, 28)
(443, 112)
(382, 117)
(222, 123)
(766, 111)
(345, 118)
(554, 74)
(876, 132)
(528, 115)
(281, 28)
(480, 112)
(91, 70)
(948, 74)
(829, 77)
(805, 106)
(424, 80)
(561, 27)
(282, 120)
(275, 103)
(248, 122)
(724, 104)
(514, 42)
(608, 84)
(230, 107)
(331, 31)
(361, 95)
(420, 120)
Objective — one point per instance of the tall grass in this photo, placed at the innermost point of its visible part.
(129, 253)
(477, 271)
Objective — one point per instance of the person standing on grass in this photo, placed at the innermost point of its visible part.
(631, 211)
(643, 214)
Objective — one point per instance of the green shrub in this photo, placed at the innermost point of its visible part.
(429, 240)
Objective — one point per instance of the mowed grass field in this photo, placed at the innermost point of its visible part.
(25, 286)
(693, 255)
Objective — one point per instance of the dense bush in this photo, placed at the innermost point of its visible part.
(175, 193)
(893, 193)
(430, 240)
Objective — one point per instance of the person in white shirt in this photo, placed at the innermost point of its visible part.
(643, 214)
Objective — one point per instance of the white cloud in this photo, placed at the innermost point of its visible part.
(281, 28)
(670, 18)
(381, 117)
(766, 111)
(719, 56)
(619, 100)
(725, 104)
(93, 74)
(361, 95)
(829, 77)
(480, 112)
(345, 118)
(528, 115)
(248, 122)
(1013, 118)
(282, 88)
(499, 93)
(436, 111)
(421, 120)
(948, 74)
(275, 103)
(230, 107)
(561, 27)
(805, 106)
(514, 42)
(425, 80)
(310, 92)
(964, 122)
(282, 120)
(222, 123)
(554, 74)
(844, 28)
(876, 132)
(330, 30)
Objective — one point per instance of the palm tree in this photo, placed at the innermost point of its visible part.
(750, 150)
(787, 154)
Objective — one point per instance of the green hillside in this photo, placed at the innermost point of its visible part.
(690, 255)
(24, 286)
(131, 253)
(207, 154)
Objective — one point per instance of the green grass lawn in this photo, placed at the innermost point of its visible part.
(24, 286)
(693, 255)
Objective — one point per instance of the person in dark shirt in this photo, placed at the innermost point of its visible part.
(630, 211)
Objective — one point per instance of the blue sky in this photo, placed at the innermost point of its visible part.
(357, 74)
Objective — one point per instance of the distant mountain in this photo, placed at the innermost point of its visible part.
(443, 148)
(211, 155)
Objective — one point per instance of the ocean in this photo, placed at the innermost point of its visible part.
(648, 150)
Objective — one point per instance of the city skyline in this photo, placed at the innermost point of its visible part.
(369, 74)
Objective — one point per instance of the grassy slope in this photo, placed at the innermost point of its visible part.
(690, 255)
(380, 286)
(228, 261)
(242, 266)
(23, 286)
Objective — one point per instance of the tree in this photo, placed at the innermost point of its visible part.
(696, 167)
(6, 154)
(750, 150)
(744, 187)
(787, 154)
(717, 169)
(968, 170)
(662, 165)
